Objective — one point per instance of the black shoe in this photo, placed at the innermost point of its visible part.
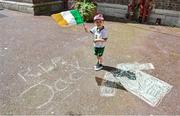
(101, 65)
(97, 64)
(98, 67)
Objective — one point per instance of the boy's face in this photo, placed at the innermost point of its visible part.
(99, 23)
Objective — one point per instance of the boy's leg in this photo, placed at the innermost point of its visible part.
(100, 60)
(98, 65)
(99, 53)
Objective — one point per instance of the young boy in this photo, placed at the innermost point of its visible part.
(100, 37)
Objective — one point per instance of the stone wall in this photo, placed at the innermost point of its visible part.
(168, 4)
(33, 1)
(24, 1)
(159, 4)
(167, 10)
(36, 7)
(122, 2)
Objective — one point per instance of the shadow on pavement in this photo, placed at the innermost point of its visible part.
(120, 73)
(116, 73)
(107, 83)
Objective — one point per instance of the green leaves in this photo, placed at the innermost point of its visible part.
(86, 8)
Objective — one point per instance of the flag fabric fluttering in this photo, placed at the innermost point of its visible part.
(68, 18)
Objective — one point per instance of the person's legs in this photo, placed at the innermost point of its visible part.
(99, 53)
(100, 60)
(99, 65)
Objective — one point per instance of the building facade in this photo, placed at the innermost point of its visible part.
(159, 4)
(166, 10)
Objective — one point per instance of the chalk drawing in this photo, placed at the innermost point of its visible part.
(27, 74)
(145, 86)
(56, 60)
(50, 99)
(69, 95)
(74, 69)
(105, 90)
(52, 91)
(60, 80)
(22, 77)
(50, 68)
(45, 85)
(25, 91)
(63, 62)
(77, 67)
(73, 77)
(135, 66)
(38, 84)
(55, 63)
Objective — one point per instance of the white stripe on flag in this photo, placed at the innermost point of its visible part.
(68, 17)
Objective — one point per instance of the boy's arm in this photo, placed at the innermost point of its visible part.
(86, 28)
(100, 40)
(103, 37)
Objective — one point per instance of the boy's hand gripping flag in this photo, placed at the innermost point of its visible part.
(68, 18)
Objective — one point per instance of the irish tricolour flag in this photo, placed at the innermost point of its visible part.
(66, 18)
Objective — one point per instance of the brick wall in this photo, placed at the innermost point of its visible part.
(159, 4)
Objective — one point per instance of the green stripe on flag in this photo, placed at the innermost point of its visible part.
(77, 16)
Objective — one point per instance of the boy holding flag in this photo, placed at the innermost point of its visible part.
(100, 37)
(73, 17)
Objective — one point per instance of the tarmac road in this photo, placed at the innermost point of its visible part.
(46, 69)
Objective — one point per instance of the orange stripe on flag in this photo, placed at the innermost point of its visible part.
(59, 19)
